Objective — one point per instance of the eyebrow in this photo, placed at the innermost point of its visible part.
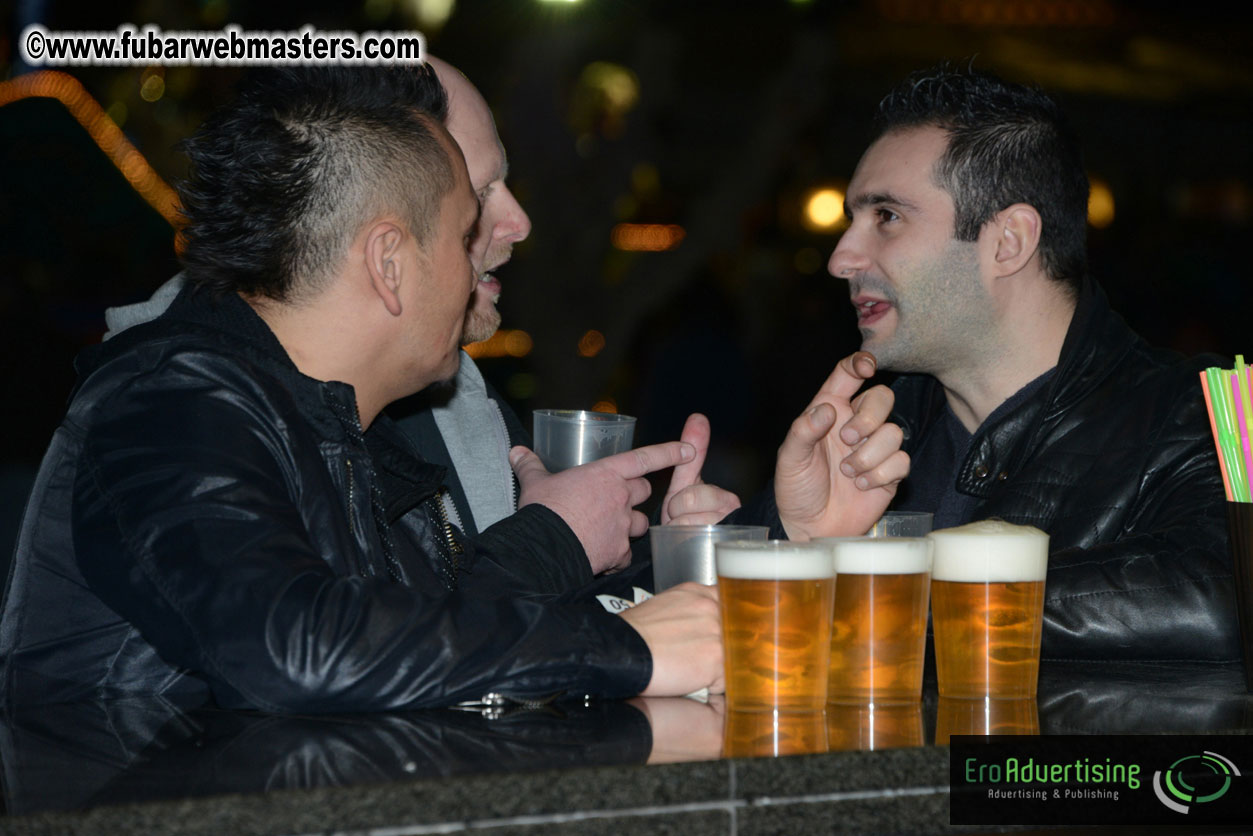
(499, 176)
(861, 201)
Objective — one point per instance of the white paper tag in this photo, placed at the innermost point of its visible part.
(616, 605)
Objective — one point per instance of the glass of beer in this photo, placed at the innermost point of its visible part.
(879, 625)
(985, 717)
(862, 727)
(987, 608)
(776, 598)
(755, 734)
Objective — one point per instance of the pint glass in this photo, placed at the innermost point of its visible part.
(879, 628)
(755, 734)
(776, 598)
(853, 727)
(987, 608)
(985, 717)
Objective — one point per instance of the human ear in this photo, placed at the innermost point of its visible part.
(1018, 237)
(383, 243)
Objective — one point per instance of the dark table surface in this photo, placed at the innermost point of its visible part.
(656, 766)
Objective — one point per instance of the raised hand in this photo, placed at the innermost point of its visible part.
(597, 500)
(689, 501)
(841, 462)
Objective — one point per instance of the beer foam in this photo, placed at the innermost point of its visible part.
(773, 560)
(990, 550)
(881, 555)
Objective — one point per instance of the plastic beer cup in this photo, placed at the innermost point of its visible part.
(987, 608)
(879, 622)
(776, 598)
(866, 726)
(754, 734)
(985, 717)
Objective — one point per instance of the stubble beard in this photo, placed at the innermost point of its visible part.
(946, 320)
(482, 321)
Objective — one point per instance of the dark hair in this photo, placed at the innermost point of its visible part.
(1007, 144)
(284, 176)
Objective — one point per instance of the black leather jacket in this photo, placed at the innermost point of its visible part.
(209, 519)
(1114, 459)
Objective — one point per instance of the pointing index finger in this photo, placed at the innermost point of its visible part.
(644, 460)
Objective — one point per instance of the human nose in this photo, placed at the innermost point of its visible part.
(848, 259)
(514, 226)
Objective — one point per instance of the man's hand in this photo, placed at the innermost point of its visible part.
(597, 500)
(683, 630)
(689, 501)
(683, 730)
(841, 462)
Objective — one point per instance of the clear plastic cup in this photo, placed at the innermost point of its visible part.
(686, 552)
(566, 438)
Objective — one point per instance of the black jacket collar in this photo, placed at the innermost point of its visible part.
(1095, 344)
(403, 476)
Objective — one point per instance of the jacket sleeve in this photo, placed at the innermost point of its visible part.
(1162, 589)
(534, 551)
(186, 524)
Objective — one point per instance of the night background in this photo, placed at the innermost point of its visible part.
(701, 129)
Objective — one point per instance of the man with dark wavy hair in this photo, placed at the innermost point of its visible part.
(1023, 396)
(225, 511)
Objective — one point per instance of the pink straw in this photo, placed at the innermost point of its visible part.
(1243, 427)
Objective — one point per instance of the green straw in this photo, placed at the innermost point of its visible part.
(1228, 436)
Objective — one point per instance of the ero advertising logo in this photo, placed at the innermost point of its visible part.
(1098, 780)
(1194, 779)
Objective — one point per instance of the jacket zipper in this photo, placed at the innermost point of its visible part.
(494, 705)
(455, 550)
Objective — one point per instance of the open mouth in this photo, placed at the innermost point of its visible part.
(870, 311)
(488, 283)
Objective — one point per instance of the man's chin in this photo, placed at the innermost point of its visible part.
(480, 325)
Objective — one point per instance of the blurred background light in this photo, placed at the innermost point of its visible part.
(824, 210)
(591, 344)
(1100, 203)
(504, 343)
(429, 15)
(647, 237)
(102, 129)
